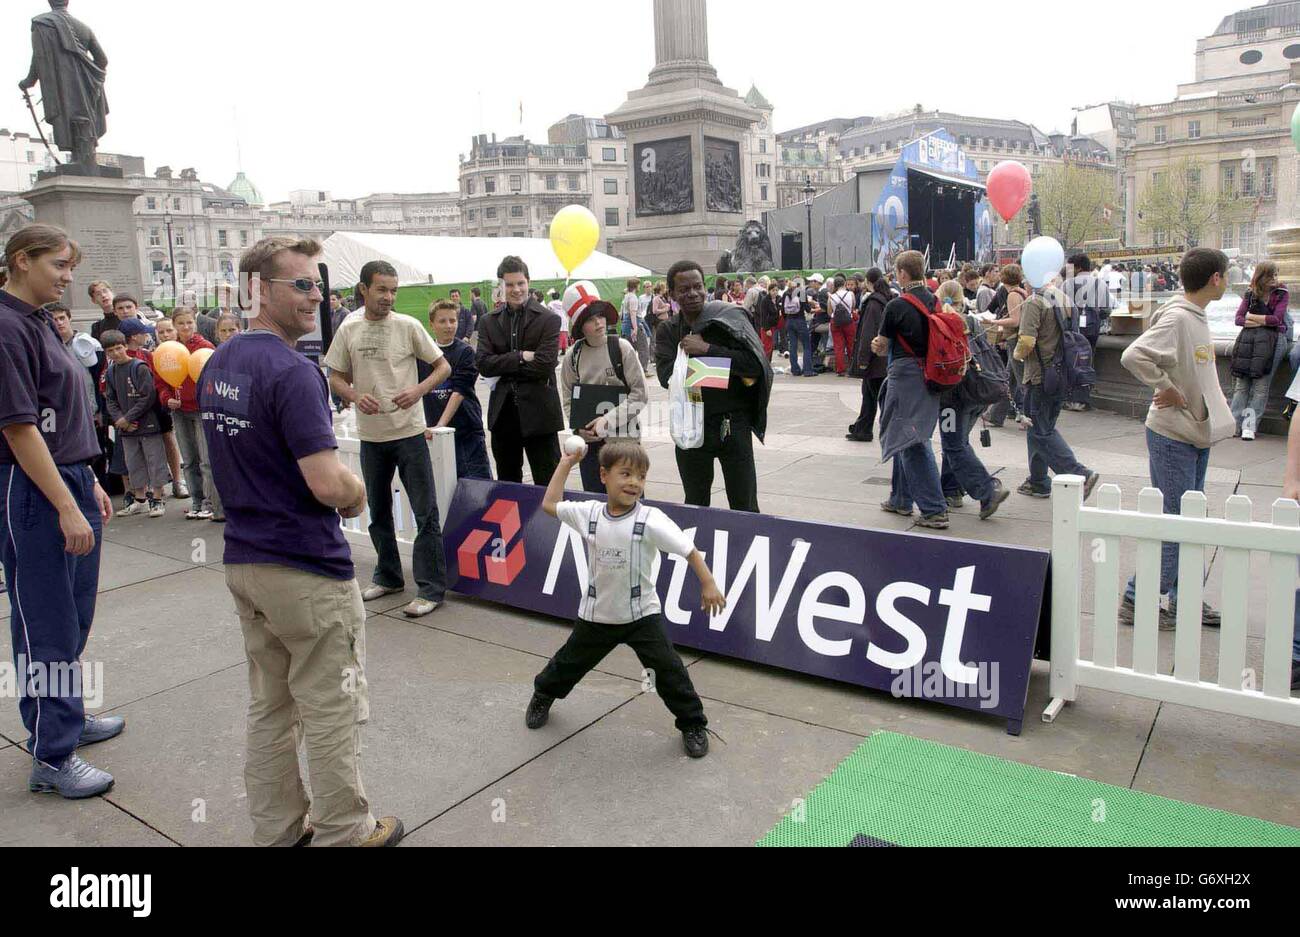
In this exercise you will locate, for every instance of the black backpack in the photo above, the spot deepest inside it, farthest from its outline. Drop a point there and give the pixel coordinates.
(986, 381)
(1072, 367)
(841, 313)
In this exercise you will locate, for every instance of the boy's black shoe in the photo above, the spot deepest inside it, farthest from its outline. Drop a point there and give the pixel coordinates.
(696, 740)
(539, 710)
(1295, 675)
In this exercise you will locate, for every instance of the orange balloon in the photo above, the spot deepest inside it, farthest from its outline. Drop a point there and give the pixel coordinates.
(198, 360)
(171, 362)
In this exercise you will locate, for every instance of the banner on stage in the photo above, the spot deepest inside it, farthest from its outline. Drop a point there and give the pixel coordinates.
(920, 617)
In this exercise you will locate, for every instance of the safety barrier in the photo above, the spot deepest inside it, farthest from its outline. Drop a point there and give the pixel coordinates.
(442, 450)
(1102, 527)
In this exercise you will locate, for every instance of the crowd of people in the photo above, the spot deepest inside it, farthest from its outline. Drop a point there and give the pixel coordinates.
(253, 445)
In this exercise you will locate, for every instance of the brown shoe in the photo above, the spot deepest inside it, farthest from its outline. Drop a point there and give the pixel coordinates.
(388, 832)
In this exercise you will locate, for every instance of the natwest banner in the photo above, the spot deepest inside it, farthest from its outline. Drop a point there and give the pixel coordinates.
(918, 616)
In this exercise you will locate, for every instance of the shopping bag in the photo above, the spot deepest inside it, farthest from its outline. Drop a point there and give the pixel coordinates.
(685, 407)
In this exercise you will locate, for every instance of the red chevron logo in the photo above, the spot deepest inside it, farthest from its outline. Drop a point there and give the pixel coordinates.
(502, 563)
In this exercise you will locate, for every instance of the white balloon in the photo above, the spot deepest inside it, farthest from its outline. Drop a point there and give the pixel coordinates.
(1042, 260)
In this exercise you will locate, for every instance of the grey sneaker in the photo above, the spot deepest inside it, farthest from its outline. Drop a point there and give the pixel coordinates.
(75, 779)
(157, 509)
(100, 729)
(421, 607)
(1128, 612)
(1000, 495)
(1090, 485)
(888, 508)
(934, 522)
(955, 501)
(136, 509)
(373, 592)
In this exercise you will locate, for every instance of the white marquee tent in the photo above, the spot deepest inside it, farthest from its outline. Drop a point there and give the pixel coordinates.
(435, 260)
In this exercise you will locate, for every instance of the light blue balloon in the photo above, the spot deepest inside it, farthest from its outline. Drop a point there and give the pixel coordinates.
(1042, 260)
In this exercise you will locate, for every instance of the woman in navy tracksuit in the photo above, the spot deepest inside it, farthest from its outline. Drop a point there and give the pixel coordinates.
(51, 514)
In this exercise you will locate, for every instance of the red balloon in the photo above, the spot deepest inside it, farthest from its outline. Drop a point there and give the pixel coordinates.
(1009, 188)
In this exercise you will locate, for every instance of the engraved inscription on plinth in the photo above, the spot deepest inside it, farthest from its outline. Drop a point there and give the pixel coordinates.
(107, 255)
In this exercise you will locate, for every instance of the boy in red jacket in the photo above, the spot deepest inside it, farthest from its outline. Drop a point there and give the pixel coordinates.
(183, 404)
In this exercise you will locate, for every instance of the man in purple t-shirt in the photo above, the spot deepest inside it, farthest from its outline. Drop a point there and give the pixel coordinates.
(266, 417)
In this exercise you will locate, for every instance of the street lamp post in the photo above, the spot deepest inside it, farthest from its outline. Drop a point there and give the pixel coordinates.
(809, 190)
(171, 252)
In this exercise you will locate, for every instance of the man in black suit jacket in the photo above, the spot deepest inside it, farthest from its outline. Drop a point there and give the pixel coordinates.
(520, 344)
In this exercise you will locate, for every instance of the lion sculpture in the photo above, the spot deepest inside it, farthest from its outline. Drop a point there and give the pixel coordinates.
(752, 253)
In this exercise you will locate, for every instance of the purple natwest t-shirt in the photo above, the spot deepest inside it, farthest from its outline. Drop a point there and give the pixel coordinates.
(265, 407)
(42, 384)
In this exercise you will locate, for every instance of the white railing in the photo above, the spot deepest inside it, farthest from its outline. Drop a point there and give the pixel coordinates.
(1100, 529)
(442, 450)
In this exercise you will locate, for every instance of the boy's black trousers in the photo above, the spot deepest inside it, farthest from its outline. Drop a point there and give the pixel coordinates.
(591, 643)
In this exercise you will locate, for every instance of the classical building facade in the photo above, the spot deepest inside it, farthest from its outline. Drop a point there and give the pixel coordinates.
(809, 156)
(1232, 125)
(513, 188)
(607, 169)
(22, 156)
(760, 159)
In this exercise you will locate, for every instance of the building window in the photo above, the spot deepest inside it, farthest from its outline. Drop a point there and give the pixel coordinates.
(1247, 182)
(763, 193)
(516, 211)
(1228, 184)
(609, 154)
(469, 186)
(575, 182)
(1161, 133)
(490, 214)
(31, 156)
(1160, 239)
(552, 181)
(762, 145)
(1248, 234)
(1229, 239)
(155, 237)
(516, 183)
(489, 186)
(611, 217)
(151, 203)
(1193, 130)
(222, 240)
(1251, 57)
(228, 269)
(180, 238)
(243, 238)
(611, 187)
(157, 267)
(176, 204)
(1194, 181)
(1267, 170)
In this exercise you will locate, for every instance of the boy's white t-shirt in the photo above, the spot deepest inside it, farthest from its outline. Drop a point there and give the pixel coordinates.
(621, 558)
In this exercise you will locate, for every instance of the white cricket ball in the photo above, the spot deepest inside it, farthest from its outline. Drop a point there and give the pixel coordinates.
(575, 446)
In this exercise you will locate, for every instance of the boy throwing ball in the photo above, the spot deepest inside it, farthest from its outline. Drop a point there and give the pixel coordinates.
(621, 605)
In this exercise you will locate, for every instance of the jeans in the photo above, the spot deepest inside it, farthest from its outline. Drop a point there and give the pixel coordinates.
(1176, 468)
(800, 338)
(1250, 396)
(410, 458)
(916, 480)
(962, 468)
(1047, 447)
(194, 451)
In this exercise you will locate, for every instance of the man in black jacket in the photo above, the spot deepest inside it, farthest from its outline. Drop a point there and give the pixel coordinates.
(520, 344)
(731, 416)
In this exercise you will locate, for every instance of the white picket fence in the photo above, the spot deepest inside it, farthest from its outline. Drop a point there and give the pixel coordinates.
(1081, 535)
(442, 450)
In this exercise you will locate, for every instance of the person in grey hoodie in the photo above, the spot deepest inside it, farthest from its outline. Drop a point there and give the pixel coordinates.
(1175, 357)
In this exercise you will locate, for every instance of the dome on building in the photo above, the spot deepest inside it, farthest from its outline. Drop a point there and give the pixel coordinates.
(755, 99)
(244, 188)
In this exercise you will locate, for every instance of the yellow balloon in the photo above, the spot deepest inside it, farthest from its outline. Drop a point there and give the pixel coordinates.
(574, 236)
(198, 360)
(171, 362)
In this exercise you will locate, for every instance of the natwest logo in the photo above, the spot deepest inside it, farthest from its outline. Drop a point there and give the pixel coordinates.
(501, 563)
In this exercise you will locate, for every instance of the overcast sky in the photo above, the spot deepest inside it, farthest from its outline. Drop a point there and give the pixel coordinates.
(382, 95)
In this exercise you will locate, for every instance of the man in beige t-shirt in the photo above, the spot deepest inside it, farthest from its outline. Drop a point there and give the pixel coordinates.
(372, 364)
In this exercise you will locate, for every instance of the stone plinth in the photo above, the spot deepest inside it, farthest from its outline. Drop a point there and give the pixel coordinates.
(97, 214)
(685, 134)
(1284, 250)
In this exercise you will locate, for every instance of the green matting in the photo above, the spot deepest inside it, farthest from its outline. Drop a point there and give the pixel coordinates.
(901, 791)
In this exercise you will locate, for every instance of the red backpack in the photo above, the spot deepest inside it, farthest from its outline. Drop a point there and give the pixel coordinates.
(949, 352)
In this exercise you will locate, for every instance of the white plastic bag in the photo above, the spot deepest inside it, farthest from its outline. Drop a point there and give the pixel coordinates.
(685, 408)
